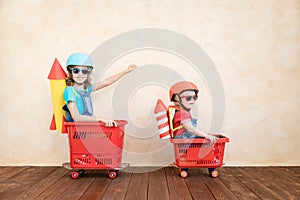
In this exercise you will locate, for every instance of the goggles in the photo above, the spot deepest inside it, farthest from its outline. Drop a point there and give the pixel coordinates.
(189, 98)
(77, 70)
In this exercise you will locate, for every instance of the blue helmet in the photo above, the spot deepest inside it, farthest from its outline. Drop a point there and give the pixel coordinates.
(79, 59)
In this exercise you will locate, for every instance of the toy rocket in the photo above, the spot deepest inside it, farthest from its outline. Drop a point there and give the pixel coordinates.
(57, 78)
(162, 120)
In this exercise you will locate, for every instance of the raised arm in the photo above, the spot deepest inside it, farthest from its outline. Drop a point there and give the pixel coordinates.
(110, 80)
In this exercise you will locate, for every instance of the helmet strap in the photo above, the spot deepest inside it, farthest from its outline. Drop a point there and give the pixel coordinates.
(79, 83)
(180, 102)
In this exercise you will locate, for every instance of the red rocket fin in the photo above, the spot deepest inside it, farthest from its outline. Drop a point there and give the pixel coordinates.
(57, 72)
(53, 125)
(64, 127)
(160, 106)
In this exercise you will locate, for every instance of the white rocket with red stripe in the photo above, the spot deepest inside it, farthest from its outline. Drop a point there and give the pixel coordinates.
(162, 120)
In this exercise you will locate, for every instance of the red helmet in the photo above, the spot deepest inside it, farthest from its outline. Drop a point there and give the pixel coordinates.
(179, 87)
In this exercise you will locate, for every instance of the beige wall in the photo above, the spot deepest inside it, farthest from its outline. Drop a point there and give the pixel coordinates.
(255, 46)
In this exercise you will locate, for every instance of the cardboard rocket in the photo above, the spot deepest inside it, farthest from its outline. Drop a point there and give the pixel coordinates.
(161, 112)
(57, 78)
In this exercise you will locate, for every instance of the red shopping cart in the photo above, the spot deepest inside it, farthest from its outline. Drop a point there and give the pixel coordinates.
(95, 146)
(199, 153)
(196, 152)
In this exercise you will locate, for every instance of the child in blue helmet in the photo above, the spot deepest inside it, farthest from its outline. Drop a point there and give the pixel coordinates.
(77, 94)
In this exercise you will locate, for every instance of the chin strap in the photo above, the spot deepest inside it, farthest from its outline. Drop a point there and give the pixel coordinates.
(79, 83)
(185, 108)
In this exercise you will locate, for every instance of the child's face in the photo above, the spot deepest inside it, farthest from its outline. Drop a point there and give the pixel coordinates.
(188, 99)
(80, 73)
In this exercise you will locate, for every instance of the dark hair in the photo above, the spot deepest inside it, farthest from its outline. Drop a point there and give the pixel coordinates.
(70, 81)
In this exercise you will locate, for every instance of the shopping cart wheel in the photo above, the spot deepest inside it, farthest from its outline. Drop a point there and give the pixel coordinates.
(112, 174)
(214, 173)
(183, 173)
(75, 175)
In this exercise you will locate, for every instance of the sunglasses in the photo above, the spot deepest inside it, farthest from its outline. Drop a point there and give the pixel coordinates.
(189, 98)
(77, 70)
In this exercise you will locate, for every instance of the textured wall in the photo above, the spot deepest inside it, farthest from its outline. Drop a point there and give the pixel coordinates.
(255, 46)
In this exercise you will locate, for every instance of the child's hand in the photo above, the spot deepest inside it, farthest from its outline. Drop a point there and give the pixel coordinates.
(109, 122)
(131, 68)
(212, 138)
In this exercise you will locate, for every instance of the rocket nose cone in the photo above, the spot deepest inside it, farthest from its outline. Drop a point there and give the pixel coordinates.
(57, 72)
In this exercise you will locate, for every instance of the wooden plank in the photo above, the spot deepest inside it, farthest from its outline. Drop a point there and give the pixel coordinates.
(138, 186)
(144, 183)
(196, 186)
(77, 187)
(292, 172)
(158, 188)
(253, 183)
(43, 184)
(8, 172)
(294, 168)
(216, 186)
(283, 186)
(289, 182)
(118, 187)
(62, 184)
(4, 169)
(20, 182)
(240, 190)
(177, 186)
(98, 187)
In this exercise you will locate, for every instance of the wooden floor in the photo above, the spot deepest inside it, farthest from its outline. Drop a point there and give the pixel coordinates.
(149, 183)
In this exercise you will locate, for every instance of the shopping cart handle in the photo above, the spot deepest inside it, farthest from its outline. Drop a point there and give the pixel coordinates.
(96, 123)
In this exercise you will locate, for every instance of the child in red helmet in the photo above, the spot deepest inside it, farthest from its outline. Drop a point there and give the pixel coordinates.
(184, 94)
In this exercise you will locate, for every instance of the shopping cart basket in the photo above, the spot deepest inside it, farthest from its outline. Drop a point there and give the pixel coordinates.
(199, 153)
(95, 146)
